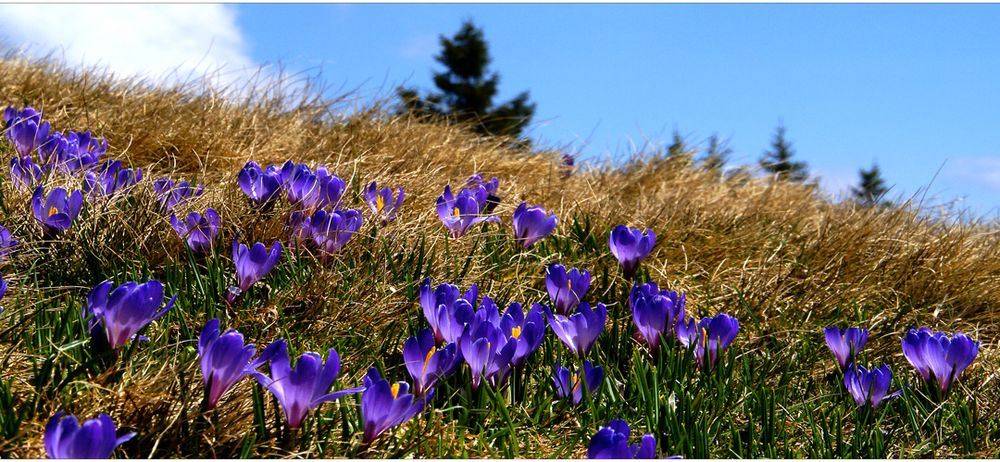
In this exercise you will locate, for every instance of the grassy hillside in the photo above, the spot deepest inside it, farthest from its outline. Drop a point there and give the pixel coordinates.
(778, 257)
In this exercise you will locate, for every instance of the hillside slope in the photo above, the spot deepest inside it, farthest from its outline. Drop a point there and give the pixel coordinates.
(775, 255)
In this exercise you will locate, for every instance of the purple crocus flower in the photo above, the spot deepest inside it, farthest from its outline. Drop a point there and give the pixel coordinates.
(284, 172)
(568, 161)
(171, 195)
(110, 179)
(458, 214)
(713, 335)
(299, 228)
(655, 312)
(936, 357)
(314, 190)
(426, 362)
(476, 180)
(65, 438)
(566, 289)
(25, 172)
(868, 387)
(330, 231)
(531, 224)
(385, 405)
(225, 360)
(7, 243)
(580, 330)
(570, 384)
(446, 311)
(845, 343)
(259, 185)
(3, 290)
(199, 231)
(630, 247)
(485, 192)
(305, 387)
(611, 442)
(56, 211)
(10, 114)
(527, 331)
(73, 152)
(487, 351)
(254, 263)
(124, 311)
(382, 203)
(25, 129)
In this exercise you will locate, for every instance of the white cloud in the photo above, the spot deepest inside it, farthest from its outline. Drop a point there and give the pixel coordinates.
(163, 42)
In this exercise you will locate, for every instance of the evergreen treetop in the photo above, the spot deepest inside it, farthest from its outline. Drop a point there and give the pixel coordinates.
(466, 89)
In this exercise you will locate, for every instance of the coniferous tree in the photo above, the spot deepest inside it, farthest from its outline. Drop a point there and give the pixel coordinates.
(871, 187)
(778, 161)
(678, 152)
(677, 145)
(466, 89)
(717, 153)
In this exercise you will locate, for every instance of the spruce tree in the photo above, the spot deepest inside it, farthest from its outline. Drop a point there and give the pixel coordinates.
(678, 152)
(716, 154)
(677, 145)
(871, 187)
(778, 161)
(466, 89)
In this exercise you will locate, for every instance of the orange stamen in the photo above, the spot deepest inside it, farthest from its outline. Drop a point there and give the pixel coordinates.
(427, 361)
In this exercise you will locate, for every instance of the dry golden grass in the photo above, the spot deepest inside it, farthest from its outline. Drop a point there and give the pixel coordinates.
(781, 247)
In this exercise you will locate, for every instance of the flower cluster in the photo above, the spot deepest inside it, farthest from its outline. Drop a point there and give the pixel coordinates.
(110, 180)
(708, 337)
(463, 330)
(171, 195)
(611, 442)
(68, 154)
(655, 312)
(938, 358)
(197, 230)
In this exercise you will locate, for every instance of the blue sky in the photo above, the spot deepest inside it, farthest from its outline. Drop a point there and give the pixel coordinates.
(914, 87)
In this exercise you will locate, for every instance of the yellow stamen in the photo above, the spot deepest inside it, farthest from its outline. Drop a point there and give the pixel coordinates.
(576, 382)
(569, 284)
(456, 212)
(515, 332)
(53, 211)
(427, 360)
(395, 390)
(379, 203)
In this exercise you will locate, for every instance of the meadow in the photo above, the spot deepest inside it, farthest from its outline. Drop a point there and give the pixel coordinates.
(778, 257)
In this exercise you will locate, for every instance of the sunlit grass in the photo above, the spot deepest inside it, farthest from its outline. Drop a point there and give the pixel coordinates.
(783, 261)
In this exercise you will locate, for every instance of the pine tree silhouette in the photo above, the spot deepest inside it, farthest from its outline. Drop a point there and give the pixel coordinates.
(716, 154)
(679, 153)
(778, 161)
(871, 187)
(467, 88)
